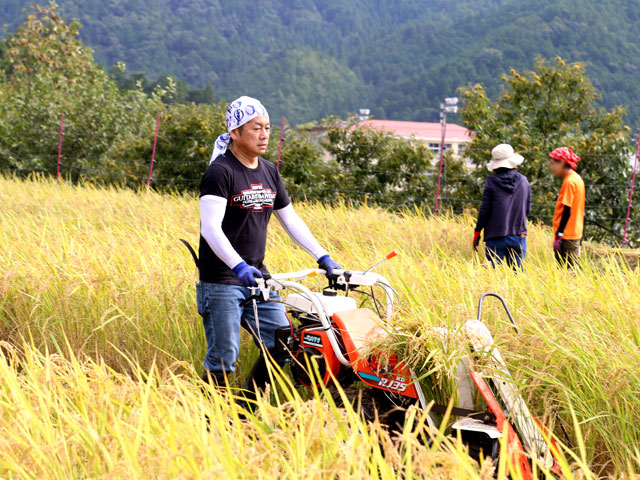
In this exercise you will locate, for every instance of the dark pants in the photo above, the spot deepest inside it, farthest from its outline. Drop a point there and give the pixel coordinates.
(512, 249)
(569, 252)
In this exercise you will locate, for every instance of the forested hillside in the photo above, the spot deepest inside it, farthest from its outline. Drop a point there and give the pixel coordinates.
(312, 58)
(414, 65)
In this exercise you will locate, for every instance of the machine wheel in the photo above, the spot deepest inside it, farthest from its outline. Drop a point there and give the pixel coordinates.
(481, 445)
(302, 358)
(373, 403)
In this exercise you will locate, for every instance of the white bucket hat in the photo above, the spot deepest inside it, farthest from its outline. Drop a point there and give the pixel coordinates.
(503, 156)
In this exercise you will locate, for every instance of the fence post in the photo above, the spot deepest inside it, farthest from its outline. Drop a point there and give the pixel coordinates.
(281, 141)
(60, 147)
(444, 133)
(633, 182)
(153, 152)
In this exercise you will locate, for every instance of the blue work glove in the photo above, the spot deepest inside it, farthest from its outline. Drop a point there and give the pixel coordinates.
(328, 265)
(246, 274)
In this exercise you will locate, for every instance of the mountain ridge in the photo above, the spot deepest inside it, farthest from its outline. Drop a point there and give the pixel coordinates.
(312, 58)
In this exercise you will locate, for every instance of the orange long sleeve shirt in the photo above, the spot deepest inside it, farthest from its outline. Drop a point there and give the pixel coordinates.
(572, 194)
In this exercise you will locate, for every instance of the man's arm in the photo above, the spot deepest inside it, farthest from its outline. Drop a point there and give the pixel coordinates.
(484, 214)
(566, 215)
(212, 209)
(567, 200)
(299, 232)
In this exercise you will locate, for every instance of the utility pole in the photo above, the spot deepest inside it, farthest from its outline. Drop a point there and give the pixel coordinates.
(284, 121)
(450, 105)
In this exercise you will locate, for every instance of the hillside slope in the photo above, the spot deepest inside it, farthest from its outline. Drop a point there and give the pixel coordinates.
(415, 66)
(397, 57)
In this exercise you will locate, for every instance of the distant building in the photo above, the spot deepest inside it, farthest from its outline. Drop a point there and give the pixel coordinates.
(457, 137)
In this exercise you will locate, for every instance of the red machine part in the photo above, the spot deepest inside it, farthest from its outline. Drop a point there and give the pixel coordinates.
(358, 328)
(514, 446)
(555, 468)
(394, 377)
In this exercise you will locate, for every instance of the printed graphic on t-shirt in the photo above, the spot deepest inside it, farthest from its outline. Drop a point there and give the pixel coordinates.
(255, 198)
(252, 195)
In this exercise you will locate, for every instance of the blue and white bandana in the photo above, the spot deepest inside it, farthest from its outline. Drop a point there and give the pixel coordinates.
(241, 111)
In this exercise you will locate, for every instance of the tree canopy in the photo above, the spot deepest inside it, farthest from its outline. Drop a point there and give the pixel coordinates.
(554, 105)
(52, 73)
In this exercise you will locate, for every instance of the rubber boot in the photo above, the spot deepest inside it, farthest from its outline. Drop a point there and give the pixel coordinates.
(217, 381)
(255, 382)
(210, 378)
(258, 377)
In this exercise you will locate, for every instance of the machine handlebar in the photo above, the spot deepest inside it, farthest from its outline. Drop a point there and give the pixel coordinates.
(338, 277)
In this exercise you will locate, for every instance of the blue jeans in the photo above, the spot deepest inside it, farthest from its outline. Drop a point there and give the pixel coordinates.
(512, 248)
(223, 314)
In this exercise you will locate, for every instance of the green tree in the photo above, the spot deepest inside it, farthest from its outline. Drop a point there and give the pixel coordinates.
(379, 167)
(306, 169)
(5, 66)
(52, 74)
(538, 110)
(187, 135)
(180, 92)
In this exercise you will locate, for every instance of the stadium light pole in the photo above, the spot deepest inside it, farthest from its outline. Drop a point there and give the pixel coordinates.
(449, 105)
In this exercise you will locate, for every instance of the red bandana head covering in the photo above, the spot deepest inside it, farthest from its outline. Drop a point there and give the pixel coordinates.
(566, 155)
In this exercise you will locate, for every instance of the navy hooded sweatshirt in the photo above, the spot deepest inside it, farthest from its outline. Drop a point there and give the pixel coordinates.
(506, 204)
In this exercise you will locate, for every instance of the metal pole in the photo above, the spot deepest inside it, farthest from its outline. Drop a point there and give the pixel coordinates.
(633, 182)
(281, 142)
(444, 132)
(60, 147)
(153, 152)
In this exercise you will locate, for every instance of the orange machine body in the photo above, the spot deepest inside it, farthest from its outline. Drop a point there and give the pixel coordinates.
(360, 330)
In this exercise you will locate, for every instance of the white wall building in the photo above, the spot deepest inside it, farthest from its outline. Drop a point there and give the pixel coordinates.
(457, 137)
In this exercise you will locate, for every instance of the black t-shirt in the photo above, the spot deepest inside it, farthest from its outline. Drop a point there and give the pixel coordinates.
(252, 196)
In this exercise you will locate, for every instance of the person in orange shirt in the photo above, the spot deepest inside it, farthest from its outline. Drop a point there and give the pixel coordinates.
(568, 218)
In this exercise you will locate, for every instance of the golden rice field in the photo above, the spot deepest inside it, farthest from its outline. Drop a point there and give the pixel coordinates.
(102, 346)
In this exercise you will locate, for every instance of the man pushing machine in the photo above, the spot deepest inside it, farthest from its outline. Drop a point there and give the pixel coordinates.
(238, 193)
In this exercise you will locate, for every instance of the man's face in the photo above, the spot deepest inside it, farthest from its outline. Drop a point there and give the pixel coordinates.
(557, 168)
(254, 138)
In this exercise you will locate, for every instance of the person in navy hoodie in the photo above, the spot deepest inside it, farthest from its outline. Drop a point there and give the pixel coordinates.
(506, 204)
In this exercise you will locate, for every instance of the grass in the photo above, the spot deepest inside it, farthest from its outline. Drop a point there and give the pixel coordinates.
(103, 343)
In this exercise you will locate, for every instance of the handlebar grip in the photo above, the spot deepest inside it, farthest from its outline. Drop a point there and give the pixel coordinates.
(263, 281)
